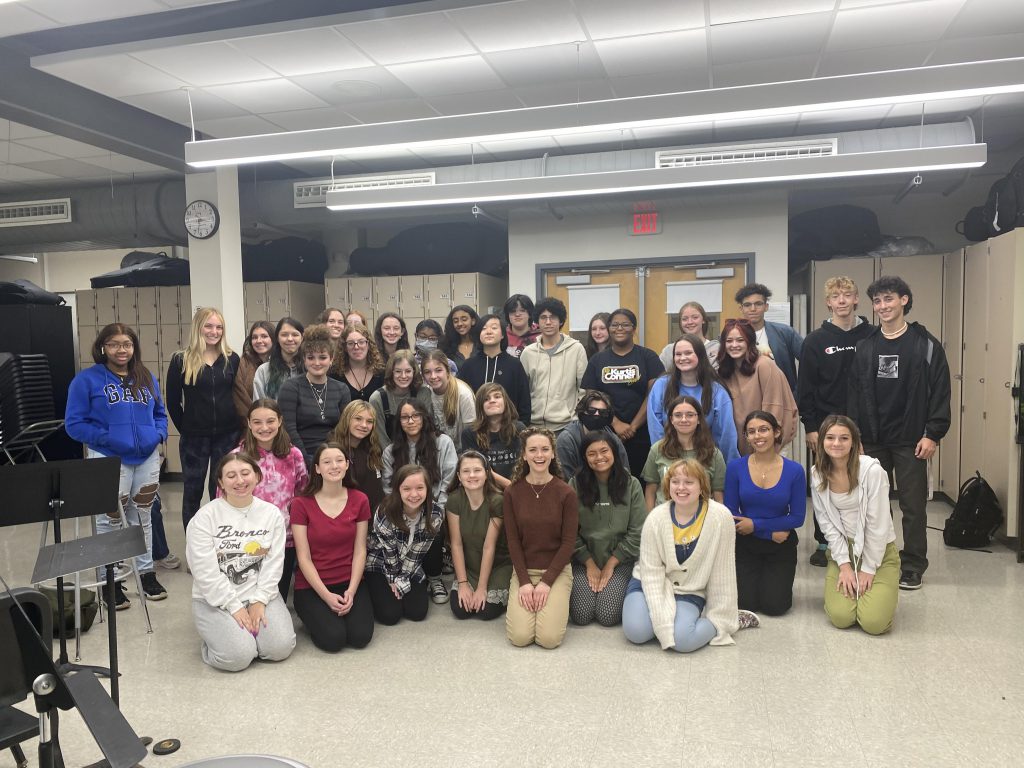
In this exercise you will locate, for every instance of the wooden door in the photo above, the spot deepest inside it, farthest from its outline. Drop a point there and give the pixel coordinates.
(668, 288)
(975, 330)
(952, 342)
(604, 291)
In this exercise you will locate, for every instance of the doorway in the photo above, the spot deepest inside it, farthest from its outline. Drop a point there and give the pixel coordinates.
(655, 291)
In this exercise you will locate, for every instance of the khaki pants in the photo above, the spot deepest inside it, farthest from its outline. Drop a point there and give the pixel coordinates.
(875, 610)
(547, 626)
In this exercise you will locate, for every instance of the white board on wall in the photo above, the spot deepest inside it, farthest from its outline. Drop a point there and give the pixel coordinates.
(585, 301)
(707, 292)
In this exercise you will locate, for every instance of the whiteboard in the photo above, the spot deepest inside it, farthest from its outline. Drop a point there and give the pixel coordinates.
(585, 301)
(707, 292)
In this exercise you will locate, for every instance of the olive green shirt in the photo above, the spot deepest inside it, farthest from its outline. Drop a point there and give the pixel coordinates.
(473, 525)
(658, 463)
(608, 528)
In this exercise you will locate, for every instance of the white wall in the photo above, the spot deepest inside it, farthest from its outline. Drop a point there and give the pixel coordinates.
(695, 225)
(68, 271)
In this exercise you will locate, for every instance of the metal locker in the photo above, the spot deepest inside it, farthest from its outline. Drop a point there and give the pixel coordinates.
(411, 296)
(255, 301)
(167, 305)
(360, 294)
(439, 295)
(170, 341)
(387, 294)
(149, 345)
(279, 300)
(146, 299)
(185, 305)
(106, 306)
(127, 307)
(466, 289)
(85, 307)
(336, 293)
(86, 337)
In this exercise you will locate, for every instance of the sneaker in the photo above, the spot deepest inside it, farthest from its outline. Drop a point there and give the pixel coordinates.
(749, 620)
(910, 580)
(121, 601)
(818, 558)
(153, 589)
(438, 593)
(171, 562)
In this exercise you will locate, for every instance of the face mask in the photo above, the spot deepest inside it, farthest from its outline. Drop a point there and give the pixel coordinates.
(597, 422)
(427, 345)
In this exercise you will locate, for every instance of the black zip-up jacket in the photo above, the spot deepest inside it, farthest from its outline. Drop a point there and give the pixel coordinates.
(206, 407)
(502, 369)
(823, 381)
(928, 390)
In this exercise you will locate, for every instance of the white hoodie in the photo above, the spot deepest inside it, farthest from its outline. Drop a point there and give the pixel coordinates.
(555, 381)
(236, 556)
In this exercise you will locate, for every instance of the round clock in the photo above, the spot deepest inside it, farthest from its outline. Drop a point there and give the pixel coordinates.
(202, 219)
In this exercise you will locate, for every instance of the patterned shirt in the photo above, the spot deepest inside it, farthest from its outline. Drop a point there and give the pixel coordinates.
(397, 554)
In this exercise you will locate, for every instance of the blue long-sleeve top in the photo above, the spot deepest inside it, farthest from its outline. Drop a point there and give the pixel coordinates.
(779, 508)
(720, 420)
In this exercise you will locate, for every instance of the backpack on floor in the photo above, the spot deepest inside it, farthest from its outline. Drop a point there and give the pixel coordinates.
(976, 516)
(90, 607)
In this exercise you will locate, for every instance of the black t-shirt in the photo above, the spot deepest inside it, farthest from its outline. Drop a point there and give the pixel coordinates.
(891, 374)
(625, 378)
(502, 456)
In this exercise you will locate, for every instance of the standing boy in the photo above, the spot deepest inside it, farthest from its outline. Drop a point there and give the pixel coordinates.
(555, 365)
(780, 341)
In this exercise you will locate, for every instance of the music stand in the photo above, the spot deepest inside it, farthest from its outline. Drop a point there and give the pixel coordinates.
(58, 490)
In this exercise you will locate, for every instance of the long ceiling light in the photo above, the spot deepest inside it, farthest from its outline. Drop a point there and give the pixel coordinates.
(926, 84)
(654, 179)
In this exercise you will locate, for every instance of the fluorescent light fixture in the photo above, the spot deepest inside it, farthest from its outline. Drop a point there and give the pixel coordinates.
(926, 84)
(655, 179)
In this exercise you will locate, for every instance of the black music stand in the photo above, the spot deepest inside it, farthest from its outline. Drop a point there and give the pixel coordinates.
(59, 490)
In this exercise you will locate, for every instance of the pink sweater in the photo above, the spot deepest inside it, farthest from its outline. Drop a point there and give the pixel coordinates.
(282, 479)
(764, 390)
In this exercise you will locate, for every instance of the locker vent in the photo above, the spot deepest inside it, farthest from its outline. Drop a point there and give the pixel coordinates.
(313, 194)
(745, 153)
(29, 212)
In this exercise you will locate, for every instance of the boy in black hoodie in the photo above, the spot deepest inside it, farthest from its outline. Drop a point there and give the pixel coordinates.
(899, 398)
(825, 360)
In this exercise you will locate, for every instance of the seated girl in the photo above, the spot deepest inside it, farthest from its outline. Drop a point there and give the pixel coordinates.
(495, 433)
(687, 436)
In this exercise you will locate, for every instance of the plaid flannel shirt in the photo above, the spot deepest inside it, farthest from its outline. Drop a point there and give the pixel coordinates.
(390, 553)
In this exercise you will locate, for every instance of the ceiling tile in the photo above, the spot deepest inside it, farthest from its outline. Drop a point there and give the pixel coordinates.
(978, 48)
(13, 152)
(70, 169)
(278, 95)
(20, 173)
(874, 59)
(614, 18)
(310, 119)
(303, 52)
(63, 147)
(764, 71)
(206, 64)
(691, 79)
(766, 39)
(550, 62)
(649, 54)
(173, 105)
(95, 10)
(989, 17)
(481, 101)
(125, 165)
(354, 86)
(116, 76)
(402, 39)
(445, 76)
(564, 92)
(521, 24)
(899, 24)
(15, 19)
(230, 127)
(733, 11)
(389, 111)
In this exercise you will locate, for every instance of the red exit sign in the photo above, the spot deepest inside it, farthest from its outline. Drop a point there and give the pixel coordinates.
(646, 223)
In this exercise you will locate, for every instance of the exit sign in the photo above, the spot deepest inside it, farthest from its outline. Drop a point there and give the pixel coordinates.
(646, 223)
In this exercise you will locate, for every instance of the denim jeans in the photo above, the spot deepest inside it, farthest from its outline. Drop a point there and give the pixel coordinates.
(136, 504)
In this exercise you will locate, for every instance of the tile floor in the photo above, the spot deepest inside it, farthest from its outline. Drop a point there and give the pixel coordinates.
(946, 687)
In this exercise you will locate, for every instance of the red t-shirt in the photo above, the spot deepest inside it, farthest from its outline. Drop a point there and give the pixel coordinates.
(331, 542)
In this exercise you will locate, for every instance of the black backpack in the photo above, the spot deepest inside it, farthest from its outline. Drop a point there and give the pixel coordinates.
(976, 516)
(973, 225)
(1000, 209)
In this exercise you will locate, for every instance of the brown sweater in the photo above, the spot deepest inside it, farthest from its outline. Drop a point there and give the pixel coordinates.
(242, 390)
(541, 532)
(765, 390)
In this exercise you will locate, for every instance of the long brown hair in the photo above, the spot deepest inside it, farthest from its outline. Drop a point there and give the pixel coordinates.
(450, 407)
(342, 435)
(589, 344)
(139, 377)
(374, 362)
(706, 376)
(522, 468)
(481, 425)
(282, 444)
(823, 462)
(394, 509)
(248, 352)
(407, 356)
(726, 365)
(586, 479)
(703, 441)
(427, 453)
(490, 487)
(315, 481)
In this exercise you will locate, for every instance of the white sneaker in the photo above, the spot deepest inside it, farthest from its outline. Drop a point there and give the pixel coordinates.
(438, 593)
(171, 562)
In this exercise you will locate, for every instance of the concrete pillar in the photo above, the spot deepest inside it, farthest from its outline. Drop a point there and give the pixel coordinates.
(215, 264)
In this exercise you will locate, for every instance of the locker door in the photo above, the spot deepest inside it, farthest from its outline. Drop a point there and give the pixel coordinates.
(439, 296)
(387, 294)
(411, 296)
(360, 294)
(167, 299)
(952, 342)
(149, 345)
(279, 301)
(106, 306)
(85, 307)
(185, 309)
(127, 306)
(86, 337)
(466, 290)
(170, 341)
(254, 297)
(146, 302)
(336, 293)
(972, 422)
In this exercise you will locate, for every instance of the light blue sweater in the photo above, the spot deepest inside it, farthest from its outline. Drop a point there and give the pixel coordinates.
(720, 420)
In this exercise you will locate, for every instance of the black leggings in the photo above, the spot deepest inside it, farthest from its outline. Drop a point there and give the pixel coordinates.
(433, 561)
(199, 456)
(489, 612)
(765, 572)
(388, 609)
(329, 631)
(290, 559)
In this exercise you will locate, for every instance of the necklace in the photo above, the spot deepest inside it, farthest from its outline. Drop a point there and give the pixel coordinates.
(320, 397)
(360, 385)
(764, 472)
(535, 491)
(893, 334)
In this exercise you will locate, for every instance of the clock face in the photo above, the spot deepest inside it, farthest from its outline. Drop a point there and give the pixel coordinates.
(201, 219)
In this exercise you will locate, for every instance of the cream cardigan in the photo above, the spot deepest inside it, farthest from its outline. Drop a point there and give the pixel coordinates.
(709, 572)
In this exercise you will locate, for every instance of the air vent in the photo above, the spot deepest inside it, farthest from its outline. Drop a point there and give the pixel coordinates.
(29, 212)
(313, 194)
(745, 153)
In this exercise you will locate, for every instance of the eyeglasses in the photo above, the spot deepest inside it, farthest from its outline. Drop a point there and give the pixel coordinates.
(621, 326)
(595, 411)
(356, 344)
(411, 418)
(684, 416)
(765, 430)
(117, 345)
(420, 339)
(752, 304)
(547, 319)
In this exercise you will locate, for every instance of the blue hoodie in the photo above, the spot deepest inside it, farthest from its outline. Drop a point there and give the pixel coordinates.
(720, 420)
(103, 414)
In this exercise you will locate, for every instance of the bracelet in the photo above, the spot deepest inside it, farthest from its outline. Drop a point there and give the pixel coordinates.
(463, 582)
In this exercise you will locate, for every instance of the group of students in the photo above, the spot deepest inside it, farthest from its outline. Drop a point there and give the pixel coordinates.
(361, 463)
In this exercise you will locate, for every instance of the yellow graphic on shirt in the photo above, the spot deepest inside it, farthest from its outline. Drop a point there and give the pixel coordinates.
(620, 374)
(254, 548)
(686, 534)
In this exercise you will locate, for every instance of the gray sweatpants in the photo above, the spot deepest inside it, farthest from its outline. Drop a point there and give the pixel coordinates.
(229, 647)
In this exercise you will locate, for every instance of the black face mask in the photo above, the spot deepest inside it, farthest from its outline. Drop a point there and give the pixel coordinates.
(597, 421)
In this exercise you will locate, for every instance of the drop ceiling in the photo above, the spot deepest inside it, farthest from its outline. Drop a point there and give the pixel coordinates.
(314, 68)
